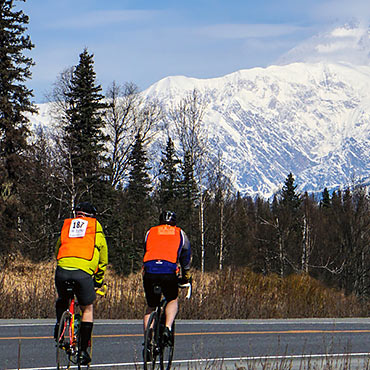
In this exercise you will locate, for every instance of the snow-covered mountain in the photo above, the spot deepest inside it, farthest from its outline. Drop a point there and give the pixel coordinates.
(309, 119)
(309, 115)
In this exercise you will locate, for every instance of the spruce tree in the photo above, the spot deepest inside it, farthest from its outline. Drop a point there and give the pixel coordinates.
(83, 136)
(139, 181)
(138, 204)
(14, 104)
(325, 201)
(289, 196)
(169, 177)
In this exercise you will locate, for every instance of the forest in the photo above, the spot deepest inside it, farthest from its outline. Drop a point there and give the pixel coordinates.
(132, 158)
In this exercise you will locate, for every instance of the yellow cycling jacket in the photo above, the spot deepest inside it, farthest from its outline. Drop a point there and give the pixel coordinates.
(94, 266)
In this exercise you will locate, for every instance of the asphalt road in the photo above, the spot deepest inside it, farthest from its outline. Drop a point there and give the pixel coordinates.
(226, 344)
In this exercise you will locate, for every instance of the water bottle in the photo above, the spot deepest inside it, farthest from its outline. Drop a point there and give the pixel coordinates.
(77, 323)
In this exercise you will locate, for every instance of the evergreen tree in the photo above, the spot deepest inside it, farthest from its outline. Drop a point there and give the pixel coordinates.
(187, 204)
(325, 201)
(139, 181)
(138, 203)
(289, 196)
(14, 103)
(288, 226)
(169, 178)
(83, 136)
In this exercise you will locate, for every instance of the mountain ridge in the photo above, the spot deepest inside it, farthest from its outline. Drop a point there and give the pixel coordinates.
(311, 119)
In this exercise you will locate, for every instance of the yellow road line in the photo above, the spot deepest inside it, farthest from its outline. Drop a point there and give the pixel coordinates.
(214, 333)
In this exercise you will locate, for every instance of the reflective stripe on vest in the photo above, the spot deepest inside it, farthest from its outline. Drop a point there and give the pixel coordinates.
(163, 243)
(78, 238)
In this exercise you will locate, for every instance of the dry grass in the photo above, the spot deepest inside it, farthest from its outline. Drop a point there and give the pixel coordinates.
(27, 291)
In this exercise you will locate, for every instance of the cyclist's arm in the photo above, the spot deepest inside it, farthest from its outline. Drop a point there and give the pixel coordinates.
(101, 244)
(185, 255)
(59, 243)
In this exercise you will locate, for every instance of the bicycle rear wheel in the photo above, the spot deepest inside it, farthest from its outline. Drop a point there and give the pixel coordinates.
(166, 352)
(151, 346)
(63, 342)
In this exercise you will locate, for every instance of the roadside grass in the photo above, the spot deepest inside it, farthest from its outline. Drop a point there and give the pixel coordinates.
(27, 291)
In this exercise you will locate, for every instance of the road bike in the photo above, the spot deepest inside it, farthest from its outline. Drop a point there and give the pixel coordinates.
(68, 339)
(154, 346)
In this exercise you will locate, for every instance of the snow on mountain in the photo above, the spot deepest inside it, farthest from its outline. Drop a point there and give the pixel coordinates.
(311, 117)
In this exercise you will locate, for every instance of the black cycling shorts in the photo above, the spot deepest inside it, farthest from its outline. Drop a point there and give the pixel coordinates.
(83, 285)
(168, 284)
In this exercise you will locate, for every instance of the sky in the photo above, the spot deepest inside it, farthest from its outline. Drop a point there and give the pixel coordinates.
(143, 41)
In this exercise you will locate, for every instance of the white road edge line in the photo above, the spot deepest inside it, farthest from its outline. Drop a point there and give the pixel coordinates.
(208, 360)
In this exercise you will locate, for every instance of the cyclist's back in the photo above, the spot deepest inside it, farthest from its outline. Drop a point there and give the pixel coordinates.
(166, 246)
(82, 254)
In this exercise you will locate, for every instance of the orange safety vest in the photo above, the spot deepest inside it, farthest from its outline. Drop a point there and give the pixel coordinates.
(163, 243)
(78, 238)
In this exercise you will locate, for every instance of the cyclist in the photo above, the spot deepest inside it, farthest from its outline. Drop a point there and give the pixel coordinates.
(166, 246)
(82, 257)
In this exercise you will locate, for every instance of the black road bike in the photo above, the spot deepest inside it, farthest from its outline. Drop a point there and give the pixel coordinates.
(158, 353)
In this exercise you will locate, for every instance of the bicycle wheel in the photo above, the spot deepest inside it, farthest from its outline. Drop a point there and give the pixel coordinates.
(151, 347)
(166, 352)
(63, 342)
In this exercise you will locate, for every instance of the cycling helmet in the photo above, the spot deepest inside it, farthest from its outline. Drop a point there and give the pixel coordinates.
(86, 209)
(167, 217)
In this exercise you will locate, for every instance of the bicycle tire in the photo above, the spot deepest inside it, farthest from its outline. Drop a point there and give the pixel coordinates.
(151, 344)
(166, 352)
(166, 349)
(63, 342)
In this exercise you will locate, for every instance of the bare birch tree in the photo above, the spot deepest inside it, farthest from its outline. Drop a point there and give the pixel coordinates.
(128, 115)
(190, 130)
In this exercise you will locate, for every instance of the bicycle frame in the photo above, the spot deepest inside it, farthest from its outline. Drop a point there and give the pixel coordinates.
(71, 345)
(153, 341)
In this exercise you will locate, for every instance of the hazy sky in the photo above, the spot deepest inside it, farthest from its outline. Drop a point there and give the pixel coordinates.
(144, 41)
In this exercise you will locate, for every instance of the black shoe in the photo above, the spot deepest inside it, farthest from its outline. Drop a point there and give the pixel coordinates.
(167, 337)
(56, 329)
(148, 355)
(85, 358)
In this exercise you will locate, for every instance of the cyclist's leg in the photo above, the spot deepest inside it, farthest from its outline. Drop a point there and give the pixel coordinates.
(171, 312)
(171, 291)
(147, 314)
(149, 281)
(84, 290)
(86, 326)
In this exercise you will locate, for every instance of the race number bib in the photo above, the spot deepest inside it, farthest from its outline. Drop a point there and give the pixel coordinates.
(78, 228)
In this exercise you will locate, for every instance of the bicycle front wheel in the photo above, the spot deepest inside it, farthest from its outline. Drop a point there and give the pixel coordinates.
(151, 345)
(64, 349)
(166, 352)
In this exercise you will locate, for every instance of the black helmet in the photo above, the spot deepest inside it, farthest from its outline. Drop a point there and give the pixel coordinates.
(167, 217)
(85, 208)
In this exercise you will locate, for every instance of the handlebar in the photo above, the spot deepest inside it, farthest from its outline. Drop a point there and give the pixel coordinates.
(189, 286)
